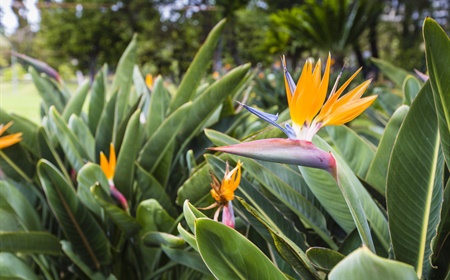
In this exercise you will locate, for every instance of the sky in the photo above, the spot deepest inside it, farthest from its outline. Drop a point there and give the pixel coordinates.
(9, 19)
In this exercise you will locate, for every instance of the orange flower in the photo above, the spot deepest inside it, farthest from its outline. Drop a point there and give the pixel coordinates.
(8, 140)
(223, 194)
(108, 167)
(149, 81)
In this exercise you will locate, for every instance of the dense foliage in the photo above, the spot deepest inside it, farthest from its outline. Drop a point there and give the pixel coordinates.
(383, 215)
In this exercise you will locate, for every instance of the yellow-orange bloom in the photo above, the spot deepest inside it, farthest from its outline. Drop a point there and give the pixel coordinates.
(149, 81)
(108, 166)
(306, 100)
(223, 192)
(8, 140)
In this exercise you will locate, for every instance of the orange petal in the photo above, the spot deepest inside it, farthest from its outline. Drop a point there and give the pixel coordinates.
(10, 140)
(104, 164)
(349, 111)
(112, 158)
(3, 128)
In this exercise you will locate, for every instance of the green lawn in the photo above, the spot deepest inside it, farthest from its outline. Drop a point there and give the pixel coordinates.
(21, 98)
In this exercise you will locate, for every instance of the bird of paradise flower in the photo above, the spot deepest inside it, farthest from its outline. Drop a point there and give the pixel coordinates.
(11, 139)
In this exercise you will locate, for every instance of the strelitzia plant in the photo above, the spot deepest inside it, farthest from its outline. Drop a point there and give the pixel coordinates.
(308, 113)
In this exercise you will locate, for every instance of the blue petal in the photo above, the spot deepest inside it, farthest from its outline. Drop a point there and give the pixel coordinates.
(270, 118)
(288, 76)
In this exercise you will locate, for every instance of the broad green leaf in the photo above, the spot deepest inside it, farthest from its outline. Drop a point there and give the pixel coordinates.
(123, 80)
(89, 175)
(389, 99)
(105, 128)
(163, 172)
(124, 175)
(97, 100)
(363, 264)
(207, 102)
(24, 211)
(229, 255)
(152, 217)
(411, 87)
(441, 244)
(121, 219)
(159, 101)
(11, 267)
(48, 152)
(186, 258)
(191, 214)
(78, 225)
(17, 164)
(72, 147)
(68, 249)
(196, 186)
(197, 69)
(324, 259)
(354, 207)
(151, 188)
(287, 248)
(356, 151)
(50, 94)
(83, 134)
(156, 239)
(188, 237)
(377, 174)
(437, 49)
(30, 242)
(155, 148)
(414, 184)
(75, 104)
(395, 74)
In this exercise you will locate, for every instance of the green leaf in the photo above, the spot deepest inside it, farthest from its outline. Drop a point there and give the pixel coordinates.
(414, 184)
(75, 104)
(345, 204)
(189, 259)
(30, 242)
(104, 133)
(159, 101)
(155, 148)
(377, 174)
(196, 70)
(196, 186)
(25, 213)
(97, 100)
(11, 267)
(437, 49)
(124, 175)
(156, 239)
(355, 150)
(75, 258)
(324, 259)
(89, 175)
(151, 188)
(395, 74)
(51, 96)
(191, 214)
(229, 255)
(73, 149)
(123, 80)
(152, 217)
(17, 164)
(188, 237)
(83, 134)
(287, 248)
(79, 226)
(363, 264)
(121, 219)
(411, 87)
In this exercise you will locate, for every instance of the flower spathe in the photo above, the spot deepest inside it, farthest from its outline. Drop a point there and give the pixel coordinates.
(11, 139)
(223, 194)
(109, 168)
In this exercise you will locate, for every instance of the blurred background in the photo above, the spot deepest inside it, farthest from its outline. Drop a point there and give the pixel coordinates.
(78, 37)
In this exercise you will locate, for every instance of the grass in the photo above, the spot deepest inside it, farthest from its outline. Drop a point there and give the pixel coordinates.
(22, 98)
